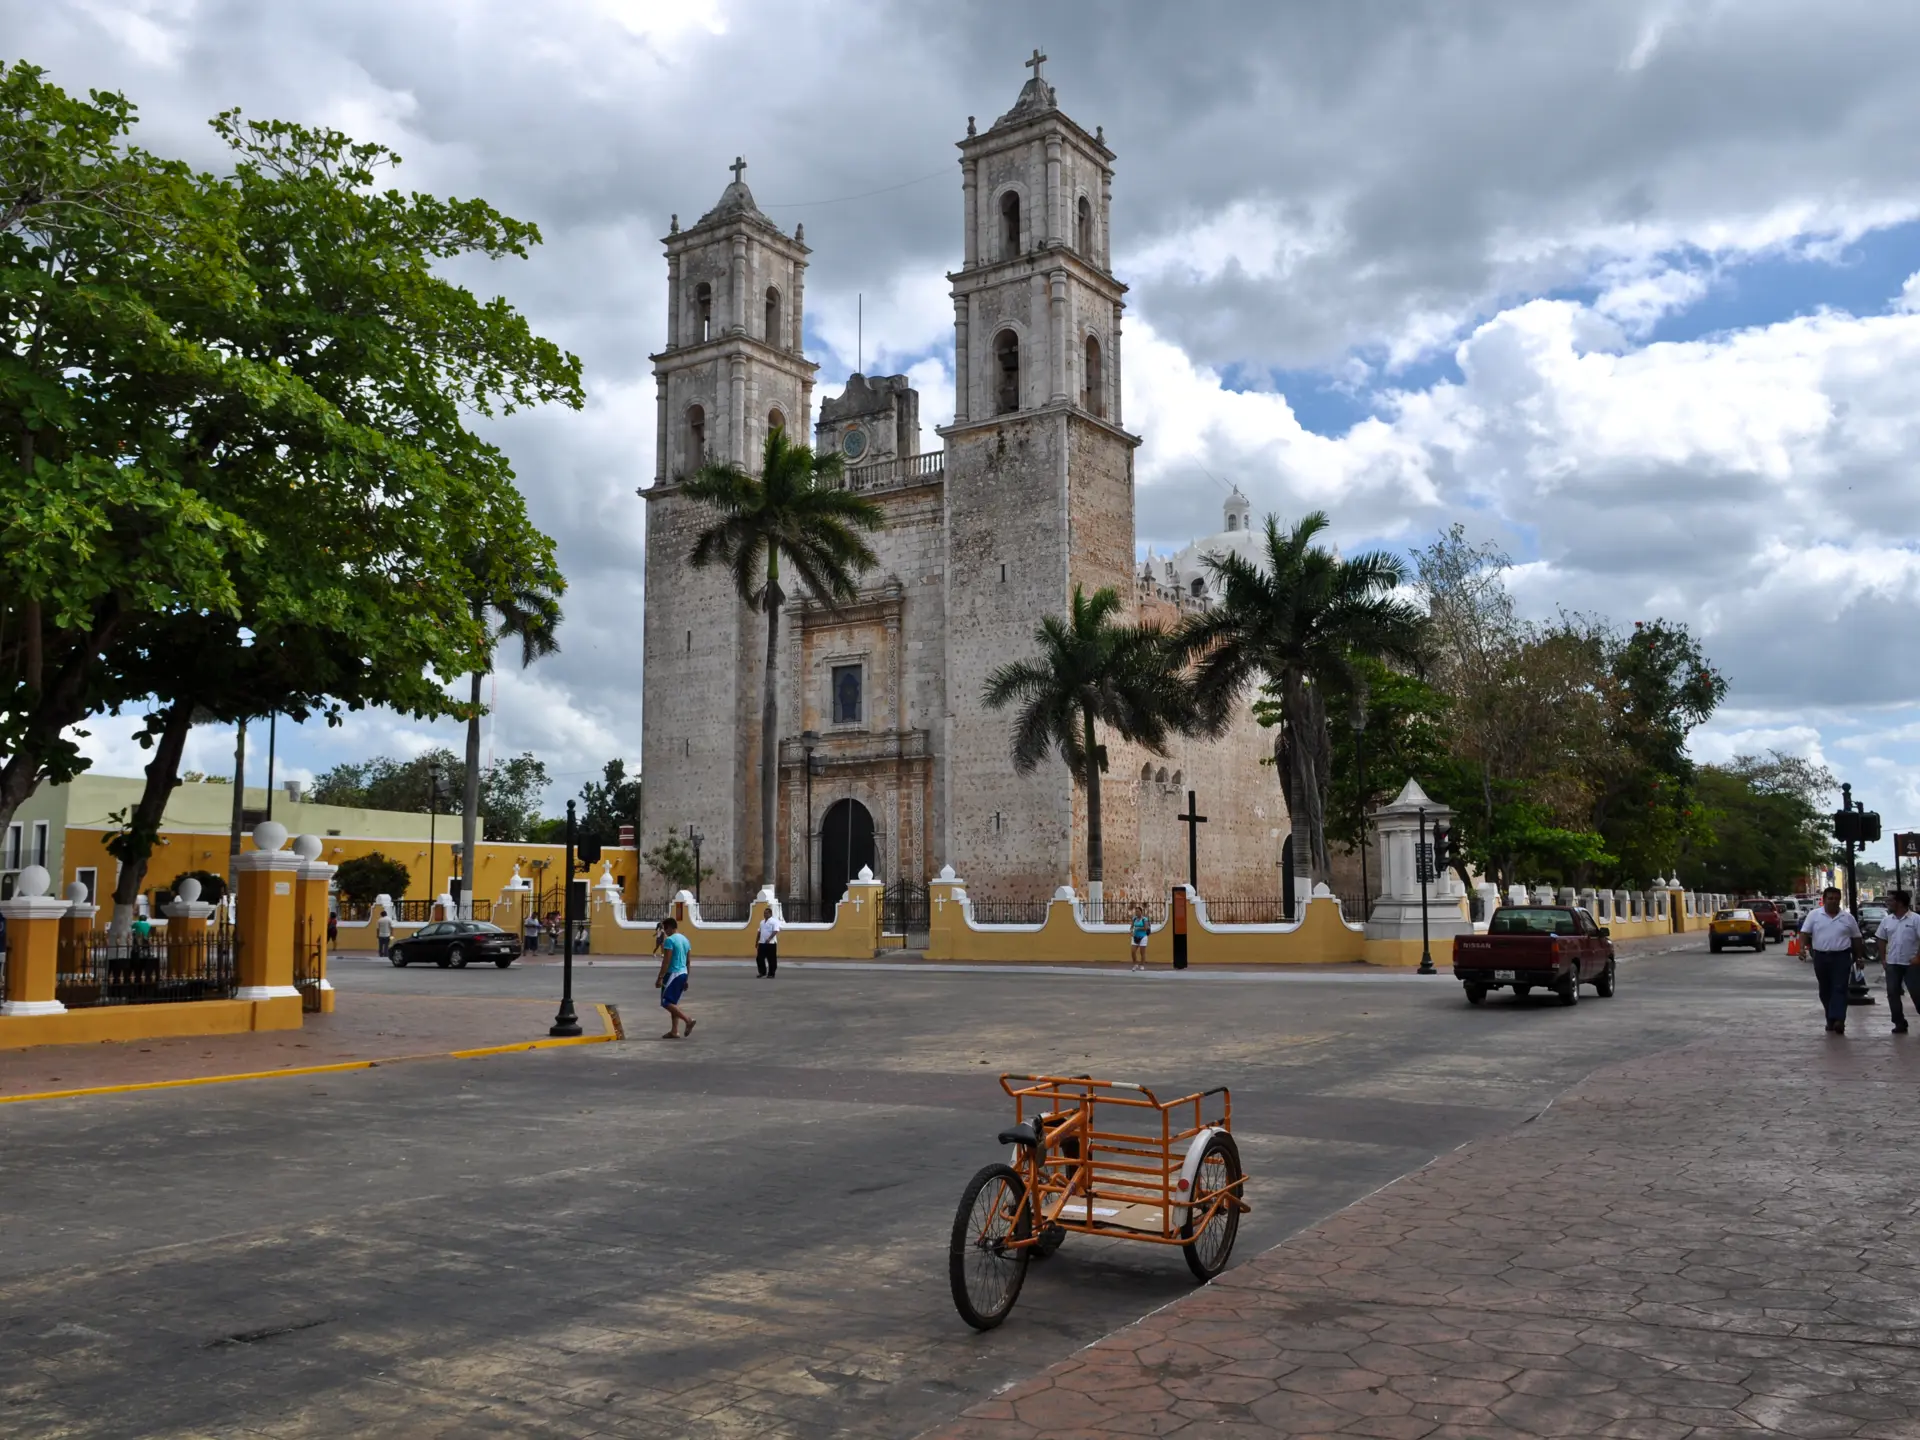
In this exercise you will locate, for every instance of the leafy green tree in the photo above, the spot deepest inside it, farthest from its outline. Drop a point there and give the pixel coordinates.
(672, 860)
(608, 803)
(334, 420)
(1299, 618)
(1091, 673)
(365, 878)
(1767, 821)
(106, 253)
(793, 512)
(510, 794)
(213, 888)
(523, 607)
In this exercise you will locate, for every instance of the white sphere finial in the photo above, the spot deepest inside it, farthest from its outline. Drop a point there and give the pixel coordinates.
(308, 847)
(269, 835)
(77, 893)
(34, 882)
(189, 890)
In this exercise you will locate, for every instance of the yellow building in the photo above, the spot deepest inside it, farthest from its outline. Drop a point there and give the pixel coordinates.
(66, 828)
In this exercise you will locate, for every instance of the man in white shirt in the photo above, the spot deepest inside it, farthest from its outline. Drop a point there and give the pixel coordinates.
(766, 952)
(1834, 937)
(1899, 940)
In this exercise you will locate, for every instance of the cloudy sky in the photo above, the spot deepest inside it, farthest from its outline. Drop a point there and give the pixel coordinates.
(1631, 287)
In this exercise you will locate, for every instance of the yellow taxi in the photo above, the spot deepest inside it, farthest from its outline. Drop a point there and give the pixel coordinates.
(1735, 927)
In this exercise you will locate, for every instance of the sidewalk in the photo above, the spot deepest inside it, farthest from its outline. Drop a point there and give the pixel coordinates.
(1713, 1242)
(367, 1028)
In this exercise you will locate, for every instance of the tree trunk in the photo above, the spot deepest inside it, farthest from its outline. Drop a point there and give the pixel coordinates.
(1306, 795)
(1096, 837)
(143, 826)
(470, 806)
(770, 734)
(62, 703)
(239, 822)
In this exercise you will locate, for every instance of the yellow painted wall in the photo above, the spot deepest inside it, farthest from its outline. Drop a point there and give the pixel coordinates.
(854, 934)
(494, 860)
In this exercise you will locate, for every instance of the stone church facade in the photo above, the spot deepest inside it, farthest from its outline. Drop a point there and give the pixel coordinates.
(887, 756)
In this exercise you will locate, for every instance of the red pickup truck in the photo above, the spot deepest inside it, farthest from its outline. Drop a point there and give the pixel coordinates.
(1549, 947)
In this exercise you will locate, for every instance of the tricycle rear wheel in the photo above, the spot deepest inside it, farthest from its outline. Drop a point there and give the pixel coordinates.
(984, 1272)
(1210, 1247)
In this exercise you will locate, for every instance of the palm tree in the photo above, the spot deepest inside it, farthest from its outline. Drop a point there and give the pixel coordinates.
(1298, 621)
(1091, 672)
(795, 510)
(523, 607)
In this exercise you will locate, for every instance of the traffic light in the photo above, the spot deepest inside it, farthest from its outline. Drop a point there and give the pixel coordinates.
(1442, 849)
(1869, 826)
(1846, 825)
(586, 852)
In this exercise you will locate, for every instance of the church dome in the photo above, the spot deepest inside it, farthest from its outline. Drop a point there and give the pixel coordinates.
(1187, 571)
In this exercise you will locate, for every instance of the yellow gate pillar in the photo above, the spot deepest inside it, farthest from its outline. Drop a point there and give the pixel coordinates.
(76, 926)
(187, 916)
(33, 944)
(266, 915)
(946, 922)
(311, 885)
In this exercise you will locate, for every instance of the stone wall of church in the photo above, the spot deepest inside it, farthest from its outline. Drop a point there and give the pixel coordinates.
(887, 759)
(692, 685)
(1009, 835)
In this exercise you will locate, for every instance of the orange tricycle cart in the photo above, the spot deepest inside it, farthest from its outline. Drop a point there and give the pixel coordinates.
(1096, 1157)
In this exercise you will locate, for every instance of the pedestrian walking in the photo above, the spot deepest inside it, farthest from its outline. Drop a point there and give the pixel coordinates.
(674, 977)
(383, 929)
(555, 939)
(531, 933)
(1139, 937)
(1833, 935)
(766, 949)
(333, 929)
(1899, 940)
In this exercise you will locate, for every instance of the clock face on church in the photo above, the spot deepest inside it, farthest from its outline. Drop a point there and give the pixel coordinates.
(854, 443)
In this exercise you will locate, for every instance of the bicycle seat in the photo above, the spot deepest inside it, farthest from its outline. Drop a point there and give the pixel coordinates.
(1021, 1134)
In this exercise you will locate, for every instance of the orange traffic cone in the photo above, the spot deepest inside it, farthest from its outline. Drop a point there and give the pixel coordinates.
(1793, 945)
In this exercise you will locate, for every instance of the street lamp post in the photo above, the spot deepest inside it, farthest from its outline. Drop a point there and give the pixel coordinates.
(433, 820)
(694, 835)
(809, 742)
(565, 1021)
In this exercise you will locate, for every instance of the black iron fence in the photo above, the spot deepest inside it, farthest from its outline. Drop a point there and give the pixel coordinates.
(1119, 909)
(98, 969)
(725, 912)
(413, 912)
(806, 912)
(1009, 912)
(1246, 909)
(904, 910)
(308, 970)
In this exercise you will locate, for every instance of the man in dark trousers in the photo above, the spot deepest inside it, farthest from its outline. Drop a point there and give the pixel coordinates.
(1834, 937)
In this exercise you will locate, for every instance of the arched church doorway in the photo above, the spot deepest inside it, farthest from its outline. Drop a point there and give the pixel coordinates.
(846, 844)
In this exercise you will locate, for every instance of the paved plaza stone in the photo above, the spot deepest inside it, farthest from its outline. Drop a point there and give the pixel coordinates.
(1713, 1241)
(745, 1233)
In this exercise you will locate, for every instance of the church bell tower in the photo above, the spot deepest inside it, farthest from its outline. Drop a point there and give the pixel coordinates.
(1039, 468)
(732, 371)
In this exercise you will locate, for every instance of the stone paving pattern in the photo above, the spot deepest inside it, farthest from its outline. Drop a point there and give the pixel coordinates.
(364, 1027)
(1716, 1241)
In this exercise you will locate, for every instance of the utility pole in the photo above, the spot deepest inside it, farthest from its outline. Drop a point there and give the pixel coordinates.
(1423, 866)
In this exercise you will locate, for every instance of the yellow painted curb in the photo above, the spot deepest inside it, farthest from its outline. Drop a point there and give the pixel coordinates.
(613, 1033)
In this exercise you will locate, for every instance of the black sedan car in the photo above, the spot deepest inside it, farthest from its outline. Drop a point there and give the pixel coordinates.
(455, 942)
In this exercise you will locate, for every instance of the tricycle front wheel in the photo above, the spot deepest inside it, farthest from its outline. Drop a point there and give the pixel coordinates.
(1209, 1247)
(984, 1270)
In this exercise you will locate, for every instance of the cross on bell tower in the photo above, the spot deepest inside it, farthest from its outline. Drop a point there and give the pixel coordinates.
(738, 166)
(1035, 61)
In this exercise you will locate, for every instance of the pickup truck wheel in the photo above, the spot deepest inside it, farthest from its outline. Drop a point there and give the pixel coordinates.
(1603, 987)
(1570, 991)
(1476, 994)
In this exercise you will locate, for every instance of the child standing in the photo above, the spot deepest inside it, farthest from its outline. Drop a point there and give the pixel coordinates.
(1140, 928)
(673, 977)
